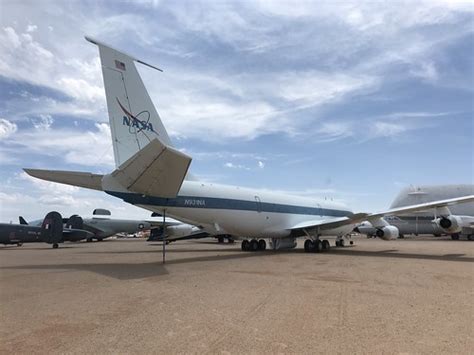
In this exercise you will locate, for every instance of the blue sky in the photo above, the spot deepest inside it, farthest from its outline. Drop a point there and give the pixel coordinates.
(349, 101)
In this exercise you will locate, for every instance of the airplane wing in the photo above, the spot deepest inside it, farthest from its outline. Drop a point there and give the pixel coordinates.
(326, 224)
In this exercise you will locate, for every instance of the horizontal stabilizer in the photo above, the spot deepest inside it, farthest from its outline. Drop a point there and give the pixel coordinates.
(156, 170)
(74, 178)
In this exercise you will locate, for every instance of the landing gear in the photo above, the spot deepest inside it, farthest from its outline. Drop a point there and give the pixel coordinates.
(340, 243)
(254, 245)
(470, 237)
(220, 239)
(325, 245)
(99, 239)
(316, 246)
(55, 246)
(19, 244)
(89, 240)
(455, 236)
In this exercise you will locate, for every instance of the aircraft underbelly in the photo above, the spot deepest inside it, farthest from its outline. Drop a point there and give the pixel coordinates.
(247, 224)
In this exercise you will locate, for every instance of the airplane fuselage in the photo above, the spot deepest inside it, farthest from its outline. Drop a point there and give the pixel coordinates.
(260, 213)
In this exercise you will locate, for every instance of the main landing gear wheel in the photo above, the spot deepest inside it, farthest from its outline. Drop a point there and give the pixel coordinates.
(455, 236)
(245, 245)
(253, 245)
(220, 239)
(308, 246)
(318, 246)
(470, 237)
(262, 244)
(55, 246)
(325, 245)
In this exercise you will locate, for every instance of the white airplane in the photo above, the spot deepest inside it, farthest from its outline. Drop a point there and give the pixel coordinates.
(150, 173)
(460, 223)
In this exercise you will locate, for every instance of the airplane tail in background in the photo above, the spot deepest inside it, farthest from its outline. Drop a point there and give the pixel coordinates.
(52, 228)
(134, 121)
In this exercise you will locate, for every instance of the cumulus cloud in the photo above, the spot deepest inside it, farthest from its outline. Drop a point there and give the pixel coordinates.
(88, 148)
(43, 122)
(27, 59)
(7, 128)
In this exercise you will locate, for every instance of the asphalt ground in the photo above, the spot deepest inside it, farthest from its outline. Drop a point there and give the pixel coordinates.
(402, 296)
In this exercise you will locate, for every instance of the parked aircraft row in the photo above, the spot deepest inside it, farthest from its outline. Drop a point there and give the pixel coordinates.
(151, 174)
(74, 228)
(460, 223)
(51, 230)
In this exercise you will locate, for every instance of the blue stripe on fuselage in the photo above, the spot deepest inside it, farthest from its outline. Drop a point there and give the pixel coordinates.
(225, 203)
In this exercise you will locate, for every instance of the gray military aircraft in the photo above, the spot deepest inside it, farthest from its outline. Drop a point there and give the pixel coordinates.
(51, 231)
(101, 225)
(460, 221)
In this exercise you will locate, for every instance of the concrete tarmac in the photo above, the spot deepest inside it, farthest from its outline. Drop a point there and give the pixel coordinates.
(402, 296)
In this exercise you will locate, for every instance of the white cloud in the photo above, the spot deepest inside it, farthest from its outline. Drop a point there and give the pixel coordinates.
(7, 128)
(24, 58)
(236, 166)
(317, 88)
(388, 129)
(331, 131)
(44, 122)
(426, 71)
(88, 148)
(261, 164)
(31, 28)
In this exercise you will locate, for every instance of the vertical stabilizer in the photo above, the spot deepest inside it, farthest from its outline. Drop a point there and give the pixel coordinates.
(134, 121)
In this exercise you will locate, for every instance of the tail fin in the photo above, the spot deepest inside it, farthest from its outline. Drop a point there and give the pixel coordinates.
(52, 228)
(134, 121)
(75, 222)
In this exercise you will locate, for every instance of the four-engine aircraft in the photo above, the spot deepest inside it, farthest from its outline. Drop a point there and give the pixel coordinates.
(459, 223)
(150, 173)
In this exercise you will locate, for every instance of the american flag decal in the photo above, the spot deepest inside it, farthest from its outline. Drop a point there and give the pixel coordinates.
(119, 65)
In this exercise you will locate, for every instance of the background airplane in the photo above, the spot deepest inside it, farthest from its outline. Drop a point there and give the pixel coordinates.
(151, 174)
(101, 225)
(51, 230)
(461, 223)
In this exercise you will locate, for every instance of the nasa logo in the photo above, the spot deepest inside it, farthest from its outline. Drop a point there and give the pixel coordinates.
(134, 123)
(138, 124)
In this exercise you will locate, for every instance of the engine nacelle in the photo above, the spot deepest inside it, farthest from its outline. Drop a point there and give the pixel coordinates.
(450, 224)
(283, 243)
(387, 232)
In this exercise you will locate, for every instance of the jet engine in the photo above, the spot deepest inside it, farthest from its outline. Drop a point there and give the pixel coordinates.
(387, 232)
(450, 224)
